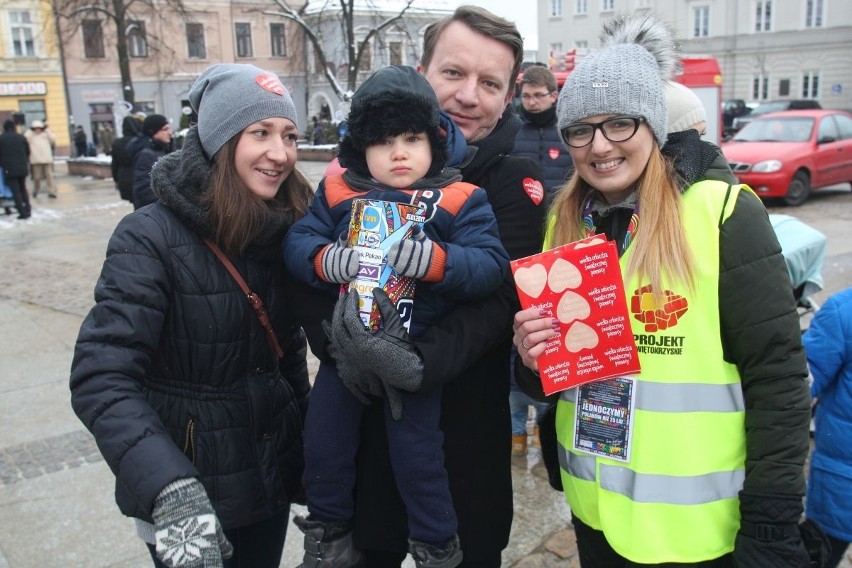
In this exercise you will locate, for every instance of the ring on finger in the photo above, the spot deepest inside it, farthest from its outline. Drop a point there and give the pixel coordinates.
(524, 344)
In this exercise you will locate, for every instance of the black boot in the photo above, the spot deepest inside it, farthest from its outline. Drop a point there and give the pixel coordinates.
(428, 556)
(328, 544)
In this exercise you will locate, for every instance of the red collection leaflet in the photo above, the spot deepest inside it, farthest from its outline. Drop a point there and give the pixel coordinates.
(375, 226)
(580, 284)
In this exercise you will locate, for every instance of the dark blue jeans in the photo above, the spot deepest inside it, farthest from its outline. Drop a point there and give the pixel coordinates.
(255, 546)
(332, 431)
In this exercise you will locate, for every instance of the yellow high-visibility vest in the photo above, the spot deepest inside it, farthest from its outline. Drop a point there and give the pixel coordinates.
(677, 498)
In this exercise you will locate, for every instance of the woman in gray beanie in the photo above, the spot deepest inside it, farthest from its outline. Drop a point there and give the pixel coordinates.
(195, 394)
(719, 432)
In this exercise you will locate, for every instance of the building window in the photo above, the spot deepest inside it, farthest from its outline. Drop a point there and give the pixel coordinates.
(643, 3)
(278, 39)
(195, 46)
(395, 52)
(555, 7)
(763, 15)
(582, 44)
(93, 39)
(701, 21)
(760, 88)
(581, 7)
(810, 85)
(784, 88)
(137, 41)
(33, 110)
(243, 33)
(607, 5)
(814, 15)
(21, 28)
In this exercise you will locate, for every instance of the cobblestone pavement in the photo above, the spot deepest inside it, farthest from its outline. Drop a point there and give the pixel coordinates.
(56, 503)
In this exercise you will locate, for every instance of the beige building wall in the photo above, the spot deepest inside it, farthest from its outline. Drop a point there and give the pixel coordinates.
(161, 80)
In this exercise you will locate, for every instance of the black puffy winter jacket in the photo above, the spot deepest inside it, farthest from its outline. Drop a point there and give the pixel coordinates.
(172, 372)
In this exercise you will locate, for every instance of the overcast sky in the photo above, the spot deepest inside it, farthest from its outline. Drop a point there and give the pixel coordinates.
(522, 12)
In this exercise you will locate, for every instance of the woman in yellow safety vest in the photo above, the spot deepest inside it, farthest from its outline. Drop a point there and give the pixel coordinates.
(719, 432)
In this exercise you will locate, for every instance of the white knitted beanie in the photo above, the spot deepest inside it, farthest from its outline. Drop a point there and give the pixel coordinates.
(685, 108)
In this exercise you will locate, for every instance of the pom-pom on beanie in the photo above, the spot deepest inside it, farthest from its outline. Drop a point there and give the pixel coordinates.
(625, 77)
(229, 96)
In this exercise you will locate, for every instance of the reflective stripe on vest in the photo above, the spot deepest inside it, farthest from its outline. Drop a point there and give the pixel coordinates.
(676, 500)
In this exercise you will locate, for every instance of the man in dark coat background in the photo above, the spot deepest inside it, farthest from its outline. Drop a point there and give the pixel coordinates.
(538, 138)
(124, 150)
(156, 143)
(15, 160)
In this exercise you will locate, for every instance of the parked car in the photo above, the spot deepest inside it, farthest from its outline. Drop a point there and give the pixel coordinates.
(773, 106)
(786, 154)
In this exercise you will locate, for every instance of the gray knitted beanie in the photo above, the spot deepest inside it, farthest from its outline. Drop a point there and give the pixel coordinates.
(625, 77)
(230, 96)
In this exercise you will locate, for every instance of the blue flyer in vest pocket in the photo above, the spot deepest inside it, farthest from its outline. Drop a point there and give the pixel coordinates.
(604, 418)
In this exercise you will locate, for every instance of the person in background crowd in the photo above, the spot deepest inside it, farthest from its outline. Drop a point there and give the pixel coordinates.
(106, 135)
(538, 138)
(694, 159)
(42, 142)
(80, 143)
(124, 150)
(196, 404)
(828, 345)
(15, 160)
(157, 142)
(471, 59)
(719, 433)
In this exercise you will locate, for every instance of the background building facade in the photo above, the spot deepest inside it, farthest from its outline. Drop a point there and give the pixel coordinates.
(31, 80)
(767, 49)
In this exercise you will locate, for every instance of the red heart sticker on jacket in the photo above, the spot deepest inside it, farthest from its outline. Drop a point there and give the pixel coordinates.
(271, 83)
(534, 189)
(553, 153)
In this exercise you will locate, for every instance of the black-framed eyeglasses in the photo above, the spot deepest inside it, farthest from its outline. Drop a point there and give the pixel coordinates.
(536, 96)
(616, 129)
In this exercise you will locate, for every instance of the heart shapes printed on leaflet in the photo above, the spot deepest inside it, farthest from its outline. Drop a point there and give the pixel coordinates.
(534, 189)
(531, 280)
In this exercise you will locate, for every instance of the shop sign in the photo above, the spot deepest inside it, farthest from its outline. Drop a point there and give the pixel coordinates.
(23, 88)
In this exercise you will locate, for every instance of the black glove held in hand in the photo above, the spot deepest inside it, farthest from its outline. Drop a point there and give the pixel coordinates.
(769, 534)
(389, 352)
(187, 531)
(361, 383)
(339, 263)
(412, 257)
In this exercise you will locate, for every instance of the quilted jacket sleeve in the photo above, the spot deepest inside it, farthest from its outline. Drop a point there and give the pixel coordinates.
(761, 335)
(476, 261)
(112, 354)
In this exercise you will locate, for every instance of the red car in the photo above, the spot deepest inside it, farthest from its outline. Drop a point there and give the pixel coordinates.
(786, 154)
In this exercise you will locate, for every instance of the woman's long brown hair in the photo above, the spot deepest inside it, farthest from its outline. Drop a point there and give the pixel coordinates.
(236, 213)
(660, 244)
